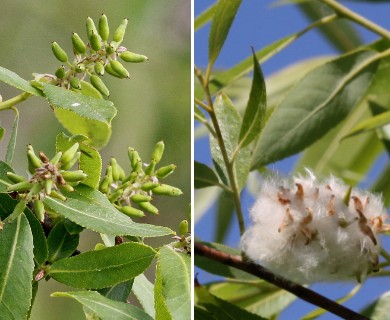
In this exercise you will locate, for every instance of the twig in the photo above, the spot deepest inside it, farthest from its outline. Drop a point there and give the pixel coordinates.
(263, 273)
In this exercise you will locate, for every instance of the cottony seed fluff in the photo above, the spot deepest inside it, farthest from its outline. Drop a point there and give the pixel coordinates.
(309, 231)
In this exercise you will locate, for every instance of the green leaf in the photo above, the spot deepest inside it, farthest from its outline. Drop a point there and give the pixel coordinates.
(60, 243)
(143, 290)
(4, 181)
(105, 308)
(204, 176)
(7, 205)
(203, 314)
(90, 159)
(16, 81)
(82, 114)
(174, 285)
(225, 210)
(322, 99)
(258, 297)
(91, 209)
(349, 159)
(2, 132)
(16, 269)
(223, 79)
(103, 268)
(379, 309)
(120, 292)
(89, 90)
(12, 140)
(220, 269)
(229, 122)
(221, 309)
(204, 17)
(255, 111)
(222, 20)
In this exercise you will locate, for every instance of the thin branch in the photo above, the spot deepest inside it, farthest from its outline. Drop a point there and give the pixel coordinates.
(10, 103)
(265, 274)
(343, 11)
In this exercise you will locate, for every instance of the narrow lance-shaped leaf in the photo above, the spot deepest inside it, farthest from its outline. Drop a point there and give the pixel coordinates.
(222, 309)
(12, 140)
(91, 209)
(103, 268)
(379, 309)
(204, 17)
(224, 217)
(204, 176)
(229, 122)
(4, 181)
(16, 267)
(174, 287)
(105, 308)
(322, 99)
(255, 111)
(60, 243)
(223, 18)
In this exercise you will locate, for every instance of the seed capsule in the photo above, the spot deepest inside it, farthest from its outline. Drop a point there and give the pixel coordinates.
(71, 163)
(56, 158)
(19, 208)
(137, 198)
(48, 185)
(147, 206)
(105, 185)
(128, 56)
(132, 212)
(99, 85)
(90, 28)
(110, 49)
(109, 70)
(119, 68)
(104, 29)
(60, 73)
(33, 161)
(150, 168)
(183, 227)
(99, 68)
(95, 41)
(158, 151)
(99, 246)
(57, 195)
(67, 187)
(120, 31)
(115, 196)
(79, 68)
(15, 178)
(147, 186)
(58, 52)
(69, 154)
(78, 44)
(164, 172)
(20, 187)
(117, 171)
(74, 176)
(167, 190)
(39, 210)
(34, 190)
(75, 83)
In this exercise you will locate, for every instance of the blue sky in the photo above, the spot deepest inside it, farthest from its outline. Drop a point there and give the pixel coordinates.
(258, 24)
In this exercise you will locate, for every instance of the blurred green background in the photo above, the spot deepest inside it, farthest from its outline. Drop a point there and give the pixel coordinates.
(153, 105)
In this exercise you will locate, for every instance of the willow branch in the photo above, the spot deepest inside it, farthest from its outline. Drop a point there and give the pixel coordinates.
(265, 274)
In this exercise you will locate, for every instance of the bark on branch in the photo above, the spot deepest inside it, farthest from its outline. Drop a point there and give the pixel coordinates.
(263, 273)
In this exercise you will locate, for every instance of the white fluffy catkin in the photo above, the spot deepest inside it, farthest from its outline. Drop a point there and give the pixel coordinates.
(310, 231)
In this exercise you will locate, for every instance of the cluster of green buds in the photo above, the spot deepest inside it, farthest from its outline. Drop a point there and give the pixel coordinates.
(48, 178)
(93, 59)
(183, 240)
(132, 194)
